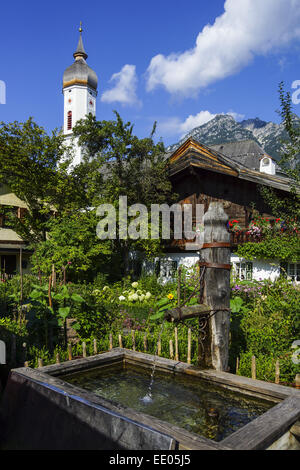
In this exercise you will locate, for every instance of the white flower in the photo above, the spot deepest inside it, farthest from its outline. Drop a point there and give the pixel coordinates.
(133, 297)
(148, 296)
(141, 297)
(135, 284)
(105, 288)
(122, 298)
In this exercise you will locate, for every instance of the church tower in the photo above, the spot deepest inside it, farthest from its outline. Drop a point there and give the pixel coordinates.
(80, 92)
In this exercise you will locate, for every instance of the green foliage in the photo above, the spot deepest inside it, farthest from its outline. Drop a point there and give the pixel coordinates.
(282, 247)
(265, 321)
(34, 166)
(133, 167)
(72, 242)
(287, 207)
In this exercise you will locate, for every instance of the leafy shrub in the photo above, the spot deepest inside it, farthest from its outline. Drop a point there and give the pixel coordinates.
(265, 321)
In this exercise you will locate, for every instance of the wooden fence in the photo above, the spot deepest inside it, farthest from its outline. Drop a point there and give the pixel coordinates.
(118, 341)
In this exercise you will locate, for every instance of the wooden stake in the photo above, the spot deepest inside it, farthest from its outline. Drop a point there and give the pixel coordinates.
(21, 276)
(95, 346)
(176, 344)
(70, 352)
(53, 277)
(189, 346)
(178, 286)
(84, 349)
(133, 339)
(26, 364)
(277, 372)
(237, 367)
(57, 358)
(49, 291)
(24, 352)
(120, 341)
(159, 347)
(145, 343)
(40, 362)
(253, 367)
(171, 349)
(110, 341)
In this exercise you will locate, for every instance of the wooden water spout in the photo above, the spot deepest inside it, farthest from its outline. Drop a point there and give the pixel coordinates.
(215, 303)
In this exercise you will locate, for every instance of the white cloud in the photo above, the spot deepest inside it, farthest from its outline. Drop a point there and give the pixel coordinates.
(175, 126)
(124, 90)
(245, 29)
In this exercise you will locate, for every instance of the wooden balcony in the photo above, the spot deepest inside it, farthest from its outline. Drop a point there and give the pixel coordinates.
(236, 238)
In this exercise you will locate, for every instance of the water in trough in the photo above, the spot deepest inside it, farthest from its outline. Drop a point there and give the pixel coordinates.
(191, 404)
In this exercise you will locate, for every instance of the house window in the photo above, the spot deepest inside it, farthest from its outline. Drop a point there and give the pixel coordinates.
(266, 162)
(8, 264)
(244, 271)
(69, 122)
(291, 271)
(166, 268)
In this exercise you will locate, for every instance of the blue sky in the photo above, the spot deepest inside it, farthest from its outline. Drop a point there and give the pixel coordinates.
(178, 63)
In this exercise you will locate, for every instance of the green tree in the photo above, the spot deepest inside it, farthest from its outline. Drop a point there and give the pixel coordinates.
(287, 208)
(72, 244)
(282, 244)
(35, 166)
(118, 163)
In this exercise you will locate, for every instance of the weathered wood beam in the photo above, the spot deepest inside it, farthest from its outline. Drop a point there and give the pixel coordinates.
(183, 313)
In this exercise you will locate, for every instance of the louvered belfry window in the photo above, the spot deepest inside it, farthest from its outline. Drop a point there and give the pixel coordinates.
(69, 124)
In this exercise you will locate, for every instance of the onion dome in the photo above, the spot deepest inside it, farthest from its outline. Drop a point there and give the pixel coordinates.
(79, 73)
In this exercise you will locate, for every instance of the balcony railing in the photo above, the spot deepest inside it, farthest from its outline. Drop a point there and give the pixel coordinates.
(236, 238)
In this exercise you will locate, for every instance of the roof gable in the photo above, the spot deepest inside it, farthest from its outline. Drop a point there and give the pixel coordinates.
(192, 153)
(202, 156)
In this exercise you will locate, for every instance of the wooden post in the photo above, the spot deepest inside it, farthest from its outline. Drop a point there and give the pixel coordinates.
(277, 372)
(40, 362)
(120, 341)
(189, 346)
(133, 339)
(26, 364)
(95, 346)
(145, 343)
(237, 366)
(24, 352)
(84, 349)
(49, 291)
(159, 347)
(53, 277)
(21, 276)
(110, 341)
(253, 367)
(297, 380)
(216, 253)
(178, 286)
(57, 358)
(70, 352)
(171, 349)
(176, 344)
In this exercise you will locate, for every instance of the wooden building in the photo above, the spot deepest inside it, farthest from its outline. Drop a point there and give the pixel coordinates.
(233, 175)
